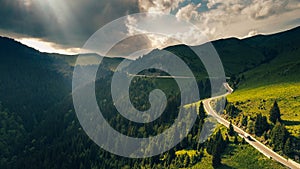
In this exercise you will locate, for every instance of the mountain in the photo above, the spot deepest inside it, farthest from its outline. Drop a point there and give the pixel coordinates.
(282, 68)
(39, 126)
(240, 55)
(30, 81)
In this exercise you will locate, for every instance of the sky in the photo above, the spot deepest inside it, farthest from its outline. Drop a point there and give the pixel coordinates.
(63, 26)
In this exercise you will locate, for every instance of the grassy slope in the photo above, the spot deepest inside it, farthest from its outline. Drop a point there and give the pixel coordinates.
(241, 156)
(278, 80)
(260, 100)
(283, 69)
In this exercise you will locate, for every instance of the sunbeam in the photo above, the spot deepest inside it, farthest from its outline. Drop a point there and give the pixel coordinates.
(59, 13)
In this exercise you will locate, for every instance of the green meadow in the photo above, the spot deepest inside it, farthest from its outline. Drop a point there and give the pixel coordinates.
(236, 156)
(260, 100)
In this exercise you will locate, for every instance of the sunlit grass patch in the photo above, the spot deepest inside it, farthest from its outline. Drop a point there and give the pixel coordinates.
(190, 153)
(260, 99)
(239, 155)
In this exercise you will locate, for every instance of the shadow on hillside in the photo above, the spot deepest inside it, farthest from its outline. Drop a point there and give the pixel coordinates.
(291, 123)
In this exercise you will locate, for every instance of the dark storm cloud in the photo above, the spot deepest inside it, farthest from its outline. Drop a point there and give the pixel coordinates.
(68, 22)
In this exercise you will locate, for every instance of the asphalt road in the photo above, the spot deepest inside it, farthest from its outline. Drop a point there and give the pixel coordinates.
(248, 138)
(162, 77)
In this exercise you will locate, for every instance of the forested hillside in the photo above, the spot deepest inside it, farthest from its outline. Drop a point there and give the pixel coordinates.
(39, 128)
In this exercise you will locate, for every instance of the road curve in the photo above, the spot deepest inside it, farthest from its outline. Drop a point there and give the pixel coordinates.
(248, 138)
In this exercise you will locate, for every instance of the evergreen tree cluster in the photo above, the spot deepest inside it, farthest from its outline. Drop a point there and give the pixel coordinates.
(231, 110)
(279, 136)
(215, 147)
(275, 132)
(261, 125)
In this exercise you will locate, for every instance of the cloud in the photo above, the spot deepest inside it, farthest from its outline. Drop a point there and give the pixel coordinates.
(255, 9)
(165, 30)
(264, 9)
(188, 12)
(152, 40)
(236, 18)
(164, 6)
(68, 22)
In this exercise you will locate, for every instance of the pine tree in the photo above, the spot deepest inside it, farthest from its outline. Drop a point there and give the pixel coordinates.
(275, 113)
(216, 160)
(231, 110)
(231, 130)
(215, 144)
(220, 144)
(260, 125)
(257, 125)
(279, 135)
(202, 114)
(265, 124)
(215, 147)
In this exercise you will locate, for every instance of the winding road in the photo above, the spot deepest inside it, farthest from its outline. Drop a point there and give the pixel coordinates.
(248, 138)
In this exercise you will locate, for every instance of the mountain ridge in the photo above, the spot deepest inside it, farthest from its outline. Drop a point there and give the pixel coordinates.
(258, 36)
